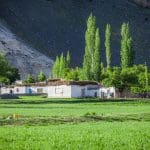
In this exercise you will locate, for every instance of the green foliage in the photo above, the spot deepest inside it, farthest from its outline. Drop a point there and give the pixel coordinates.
(62, 71)
(30, 79)
(97, 59)
(3, 65)
(127, 53)
(12, 74)
(56, 68)
(139, 90)
(91, 62)
(126, 78)
(41, 76)
(61, 66)
(68, 60)
(112, 77)
(108, 44)
(4, 80)
(73, 74)
(86, 66)
(147, 76)
(143, 81)
(8, 74)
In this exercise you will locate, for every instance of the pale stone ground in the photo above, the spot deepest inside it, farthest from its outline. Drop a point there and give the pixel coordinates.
(21, 55)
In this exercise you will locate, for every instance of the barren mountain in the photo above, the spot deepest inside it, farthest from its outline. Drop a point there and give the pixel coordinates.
(55, 26)
(143, 3)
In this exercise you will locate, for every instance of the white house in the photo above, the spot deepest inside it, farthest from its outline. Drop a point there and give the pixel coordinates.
(58, 88)
(72, 89)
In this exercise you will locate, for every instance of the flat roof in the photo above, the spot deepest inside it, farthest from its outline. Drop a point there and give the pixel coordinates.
(57, 82)
(64, 82)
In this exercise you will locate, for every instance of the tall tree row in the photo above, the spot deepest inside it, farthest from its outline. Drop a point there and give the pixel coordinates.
(127, 53)
(92, 68)
(91, 62)
(108, 45)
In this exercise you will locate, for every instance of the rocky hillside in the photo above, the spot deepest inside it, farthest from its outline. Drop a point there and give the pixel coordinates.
(55, 26)
(21, 55)
(142, 3)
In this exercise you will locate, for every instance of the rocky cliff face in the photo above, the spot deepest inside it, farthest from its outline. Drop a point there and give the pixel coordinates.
(22, 56)
(143, 3)
(55, 26)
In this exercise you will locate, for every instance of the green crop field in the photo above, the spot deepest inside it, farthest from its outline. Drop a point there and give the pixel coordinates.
(37, 123)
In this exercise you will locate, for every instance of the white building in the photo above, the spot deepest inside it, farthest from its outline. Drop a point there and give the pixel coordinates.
(37, 88)
(58, 88)
(72, 89)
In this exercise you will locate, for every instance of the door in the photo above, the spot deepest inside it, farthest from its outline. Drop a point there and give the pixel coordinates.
(82, 92)
(95, 94)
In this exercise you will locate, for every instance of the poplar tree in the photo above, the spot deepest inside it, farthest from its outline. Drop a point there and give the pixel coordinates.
(56, 68)
(86, 66)
(41, 76)
(127, 53)
(92, 44)
(88, 56)
(68, 60)
(97, 59)
(62, 66)
(108, 45)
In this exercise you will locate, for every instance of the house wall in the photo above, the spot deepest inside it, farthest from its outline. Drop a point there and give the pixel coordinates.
(72, 91)
(84, 91)
(36, 89)
(76, 91)
(61, 91)
(5, 90)
(19, 90)
(107, 92)
(24, 90)
(92, 93)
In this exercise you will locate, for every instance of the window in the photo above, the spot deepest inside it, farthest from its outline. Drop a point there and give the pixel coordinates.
(58, 90)
(40, 90)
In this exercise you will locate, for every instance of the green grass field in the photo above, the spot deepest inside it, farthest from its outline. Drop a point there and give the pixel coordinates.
(44, 124)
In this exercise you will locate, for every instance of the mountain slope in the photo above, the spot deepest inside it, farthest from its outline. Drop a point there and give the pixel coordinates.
(55, 26)
(21, 55)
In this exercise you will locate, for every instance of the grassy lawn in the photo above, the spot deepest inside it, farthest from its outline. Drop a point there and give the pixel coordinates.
(74, 124)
